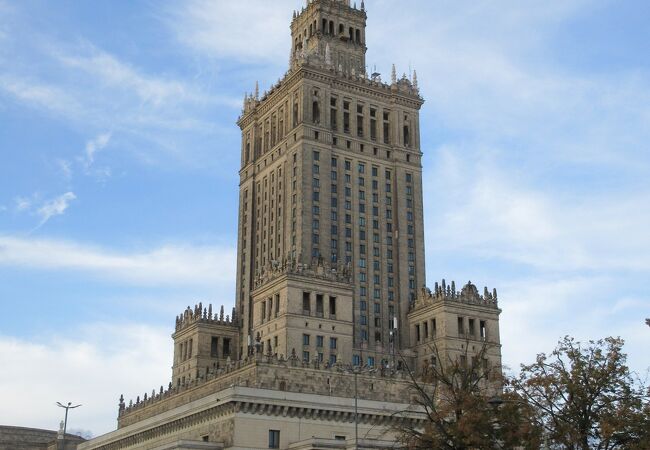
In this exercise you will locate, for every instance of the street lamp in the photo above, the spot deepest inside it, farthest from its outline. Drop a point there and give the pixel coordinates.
(65, 422)
(356, 417)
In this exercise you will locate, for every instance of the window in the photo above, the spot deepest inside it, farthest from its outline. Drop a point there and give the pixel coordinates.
(319, 341)
(483, 330)
(356, 361)
(371, 361)
(461, 326)
(305, 356)
(472, 330)
(332, 360)
(333, 342)
(214, 345)
(316, 156)
(306, 303)
(333, 306)
(274, 439)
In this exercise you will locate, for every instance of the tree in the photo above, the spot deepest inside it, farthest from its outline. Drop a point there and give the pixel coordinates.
(586, 397)
(454, 396)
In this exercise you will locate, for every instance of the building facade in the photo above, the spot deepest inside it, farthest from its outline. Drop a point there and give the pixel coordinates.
(331, 299)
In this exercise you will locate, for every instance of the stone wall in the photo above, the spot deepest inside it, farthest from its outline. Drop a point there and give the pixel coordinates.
(266, 372)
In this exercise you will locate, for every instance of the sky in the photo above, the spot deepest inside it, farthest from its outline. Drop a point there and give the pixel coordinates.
(119, 156)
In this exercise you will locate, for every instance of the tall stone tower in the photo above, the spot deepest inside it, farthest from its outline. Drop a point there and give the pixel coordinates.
(331, 243)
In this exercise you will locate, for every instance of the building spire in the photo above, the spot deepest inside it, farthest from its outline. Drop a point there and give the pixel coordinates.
(415, 79)
(393, 75)
(257, 90)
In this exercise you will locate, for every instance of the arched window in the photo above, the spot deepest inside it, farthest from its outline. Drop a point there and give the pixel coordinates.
(311, 30)
(341, 29)
(324, 27)
(358, 36)
(351, 33)
(332, 28)
(407, 136)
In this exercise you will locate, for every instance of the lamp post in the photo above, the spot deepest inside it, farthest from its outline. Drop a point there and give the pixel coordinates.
(356, 417)
(65, 422)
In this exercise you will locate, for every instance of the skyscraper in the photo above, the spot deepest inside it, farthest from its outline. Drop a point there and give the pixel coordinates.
(331, 297)
(331, 181)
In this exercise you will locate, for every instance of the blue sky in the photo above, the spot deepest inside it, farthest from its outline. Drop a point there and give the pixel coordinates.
(118, 180)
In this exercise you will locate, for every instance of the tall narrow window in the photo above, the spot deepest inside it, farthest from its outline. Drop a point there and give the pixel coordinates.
(274, 439)
(316, 112)
(214, 347)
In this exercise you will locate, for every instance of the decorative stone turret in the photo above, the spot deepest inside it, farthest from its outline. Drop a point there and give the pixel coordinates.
(203, 341)
(204, 315)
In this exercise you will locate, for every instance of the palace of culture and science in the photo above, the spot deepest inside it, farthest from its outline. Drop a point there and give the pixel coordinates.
(331, 304)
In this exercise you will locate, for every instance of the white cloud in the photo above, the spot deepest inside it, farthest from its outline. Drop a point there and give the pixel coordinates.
(91, 365)
(22, 204)
(251, 31)
(65, 167)
(166, 265)
(117, 74)
(55, 207)
(483, 210)
(538, 311)
(93, 146)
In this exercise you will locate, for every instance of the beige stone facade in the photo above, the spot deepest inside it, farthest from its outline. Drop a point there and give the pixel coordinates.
(330, 302)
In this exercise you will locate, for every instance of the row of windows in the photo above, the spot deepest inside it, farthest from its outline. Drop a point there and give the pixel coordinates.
(306, 341)
(361, 168)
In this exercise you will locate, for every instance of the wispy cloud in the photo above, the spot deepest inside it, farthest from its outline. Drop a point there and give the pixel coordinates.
(92, 147)
(91, 89)
(225, 29)
(65, 167)
(485, 211)
(55, 207)
(22, 204)
(166, 265)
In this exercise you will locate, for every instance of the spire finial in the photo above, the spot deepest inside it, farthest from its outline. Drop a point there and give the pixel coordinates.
(257, 90)
(363, 6)
(393, 75)
(415, 79)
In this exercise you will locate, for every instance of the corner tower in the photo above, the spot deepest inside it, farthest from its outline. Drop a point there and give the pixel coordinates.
(330, 198)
